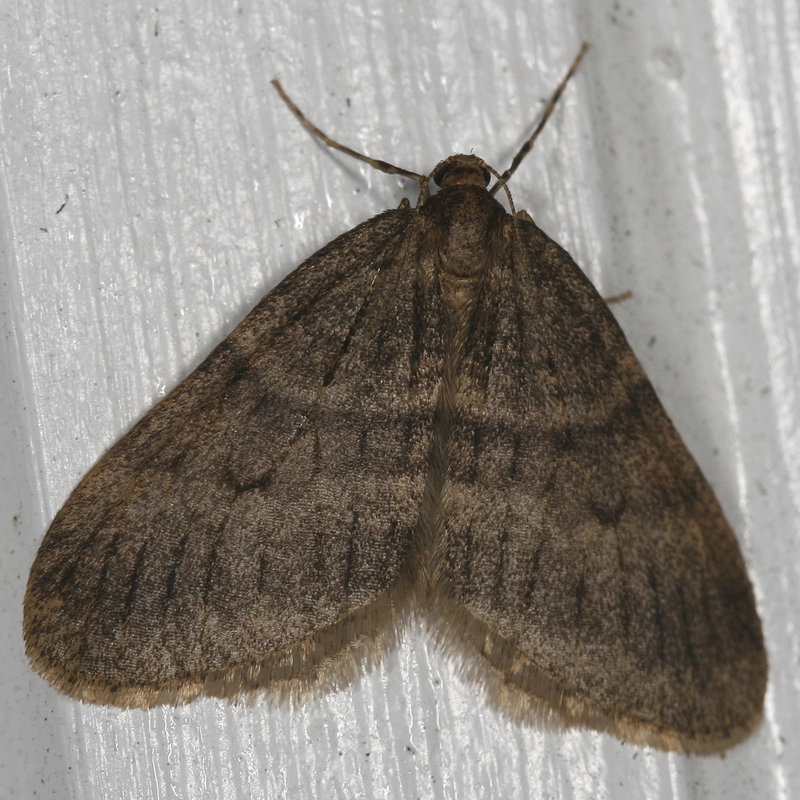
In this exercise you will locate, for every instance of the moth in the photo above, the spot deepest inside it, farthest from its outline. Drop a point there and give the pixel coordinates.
(435, 414)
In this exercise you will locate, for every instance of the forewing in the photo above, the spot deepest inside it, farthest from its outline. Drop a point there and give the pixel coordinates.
(253, 528)
(584, 555)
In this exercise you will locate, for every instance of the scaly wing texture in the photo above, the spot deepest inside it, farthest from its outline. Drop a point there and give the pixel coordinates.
(254, 527)
(584, 557)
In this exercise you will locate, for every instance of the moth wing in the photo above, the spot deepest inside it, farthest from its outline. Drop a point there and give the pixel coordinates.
(584, 557)
(253, 528)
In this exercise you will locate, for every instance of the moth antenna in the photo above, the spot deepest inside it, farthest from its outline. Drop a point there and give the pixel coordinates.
(528, 146)
(501, 182)
(383, 166)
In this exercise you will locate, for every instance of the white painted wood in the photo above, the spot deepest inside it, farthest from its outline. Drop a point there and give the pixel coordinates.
(670, 169)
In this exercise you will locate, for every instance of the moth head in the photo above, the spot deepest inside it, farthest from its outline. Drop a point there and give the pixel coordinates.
(462, 170)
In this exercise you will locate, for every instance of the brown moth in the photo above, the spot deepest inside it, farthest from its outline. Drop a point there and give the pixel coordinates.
(434, 414)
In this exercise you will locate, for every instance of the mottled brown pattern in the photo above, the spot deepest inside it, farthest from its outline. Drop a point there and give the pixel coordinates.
(577, 530)
(435, 413)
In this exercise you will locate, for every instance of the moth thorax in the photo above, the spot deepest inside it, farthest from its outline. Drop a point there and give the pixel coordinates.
(470, 226)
